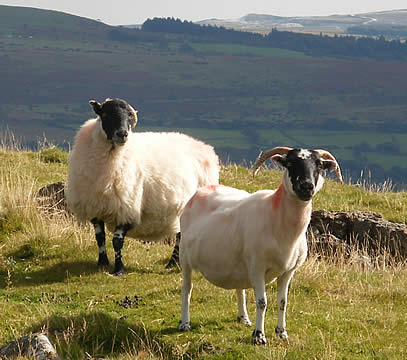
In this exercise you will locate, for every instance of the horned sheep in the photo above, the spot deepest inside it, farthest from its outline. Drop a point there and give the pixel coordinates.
(135, 183)
(239, 240)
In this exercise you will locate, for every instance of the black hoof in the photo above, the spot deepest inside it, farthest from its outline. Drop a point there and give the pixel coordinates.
(173, 263)
(184, 326)
(119, 271)
(259, 338)
(281, 333)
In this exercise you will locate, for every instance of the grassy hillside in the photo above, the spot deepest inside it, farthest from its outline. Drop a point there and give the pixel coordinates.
(48, 24)
(49, 280)
(239, 98)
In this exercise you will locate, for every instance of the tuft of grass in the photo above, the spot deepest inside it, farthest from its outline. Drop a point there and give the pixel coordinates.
(54, 155)
(8, 141)
(338, 308)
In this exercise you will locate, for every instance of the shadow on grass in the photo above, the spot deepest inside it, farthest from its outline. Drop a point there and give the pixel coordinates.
(61, 271)
(53, 274)
(21, 259)
(97, 334)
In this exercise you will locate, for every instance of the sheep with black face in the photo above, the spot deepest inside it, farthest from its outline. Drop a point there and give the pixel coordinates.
(239, 240)
(135, 183)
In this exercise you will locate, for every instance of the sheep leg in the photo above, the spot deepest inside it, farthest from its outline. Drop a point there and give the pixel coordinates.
(282, 291)
(258, 336)
(185, 324)
(242, 315)
(174, 260)
(100, 234)
(118, 240)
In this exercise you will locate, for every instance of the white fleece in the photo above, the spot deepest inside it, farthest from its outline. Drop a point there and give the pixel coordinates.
(146, 182)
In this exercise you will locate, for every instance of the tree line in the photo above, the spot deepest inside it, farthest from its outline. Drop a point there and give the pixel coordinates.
(388, 31)
(310, 44)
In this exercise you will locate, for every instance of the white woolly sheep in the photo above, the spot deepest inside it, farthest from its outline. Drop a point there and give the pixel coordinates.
(135, 183)
(239, 240)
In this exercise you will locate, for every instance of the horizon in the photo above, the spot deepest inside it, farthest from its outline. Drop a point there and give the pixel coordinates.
(128, 13)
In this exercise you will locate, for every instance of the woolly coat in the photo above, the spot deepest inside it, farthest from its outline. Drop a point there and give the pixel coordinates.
(146, 183)
(230, 235)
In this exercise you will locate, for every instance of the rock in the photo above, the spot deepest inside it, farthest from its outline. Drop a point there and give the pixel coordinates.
(36, 346)
(365, 229)
(51, 198)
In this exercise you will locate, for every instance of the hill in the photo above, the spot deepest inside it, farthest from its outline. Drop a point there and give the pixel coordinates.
(23, 22)
(338, 307)
(239, 97)
(392, 23)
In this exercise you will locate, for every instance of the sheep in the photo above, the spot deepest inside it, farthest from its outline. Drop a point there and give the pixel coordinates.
(135, 183)
(239, 240)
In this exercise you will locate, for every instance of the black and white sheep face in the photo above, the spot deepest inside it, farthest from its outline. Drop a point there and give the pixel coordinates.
(117, 118)
(302, 175)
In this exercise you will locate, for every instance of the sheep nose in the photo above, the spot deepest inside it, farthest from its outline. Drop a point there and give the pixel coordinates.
(306, 186)
(122, 133)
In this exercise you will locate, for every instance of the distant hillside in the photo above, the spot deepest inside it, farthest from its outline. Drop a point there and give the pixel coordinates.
(309, 44)
(48, 24)
(374, 23)
(240, 96)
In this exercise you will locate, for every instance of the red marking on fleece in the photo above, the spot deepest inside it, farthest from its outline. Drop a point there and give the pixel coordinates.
(276, 197)
(190, 202)
(202, 195)
(212, 188)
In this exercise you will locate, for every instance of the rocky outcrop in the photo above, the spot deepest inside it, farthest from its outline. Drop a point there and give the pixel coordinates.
(365, 230)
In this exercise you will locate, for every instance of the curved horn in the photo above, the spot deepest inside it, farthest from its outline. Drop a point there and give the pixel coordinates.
(269, 153)
(327, 155)
(134, 116)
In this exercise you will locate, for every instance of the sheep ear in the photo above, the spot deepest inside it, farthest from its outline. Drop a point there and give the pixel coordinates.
(97, 108)
(133, 116)
(328, 165)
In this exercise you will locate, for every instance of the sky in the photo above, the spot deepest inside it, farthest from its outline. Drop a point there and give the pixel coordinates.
(127, 12)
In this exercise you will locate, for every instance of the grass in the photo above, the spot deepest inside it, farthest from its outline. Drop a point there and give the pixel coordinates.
(234, 49)
(49, 280)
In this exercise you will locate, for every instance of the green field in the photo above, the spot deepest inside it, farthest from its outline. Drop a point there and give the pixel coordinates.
(233, 49)
(346, 144)
(217, 138)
